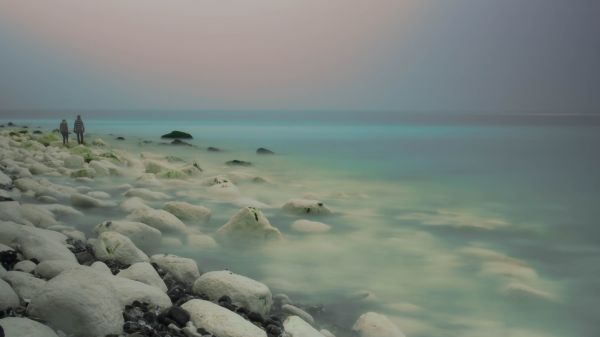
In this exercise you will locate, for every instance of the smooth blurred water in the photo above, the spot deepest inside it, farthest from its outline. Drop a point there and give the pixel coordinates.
(415, 200)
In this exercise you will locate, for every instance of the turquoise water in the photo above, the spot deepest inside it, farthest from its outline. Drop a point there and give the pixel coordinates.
(436, 219)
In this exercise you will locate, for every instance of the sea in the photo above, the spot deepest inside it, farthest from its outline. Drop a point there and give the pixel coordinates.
(451, 224)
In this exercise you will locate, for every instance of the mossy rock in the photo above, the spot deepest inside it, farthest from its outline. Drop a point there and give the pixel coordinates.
(83, 173)
(172, 174)
(237, 162)
(48, 138)
(86, 153)
(177, 134)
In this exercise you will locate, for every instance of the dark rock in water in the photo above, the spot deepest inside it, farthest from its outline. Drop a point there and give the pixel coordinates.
(120, 138)
(37, 132)
(236, 162)
(24, 131)
(2, 198)
(1, 125)
(213, 149)
(262, 150)
(8, 259)
(180, 142)
(146, 141)
(178, 315)
(10, 124)
(177, 134)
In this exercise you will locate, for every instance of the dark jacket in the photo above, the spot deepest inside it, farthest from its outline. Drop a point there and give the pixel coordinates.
(64, 127)
(78, 127)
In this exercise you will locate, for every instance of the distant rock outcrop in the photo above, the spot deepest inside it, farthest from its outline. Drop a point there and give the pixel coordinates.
(177, 134)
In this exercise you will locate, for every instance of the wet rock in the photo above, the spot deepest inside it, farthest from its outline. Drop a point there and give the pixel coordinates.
(115, 246)
(21, 326)
(295, 311)
(188, 212)
(213, 149)
(242, 290)
(249, 223)
(178, 315)
(177, 134)
(372, 324)
(26, 266)
(306, 207)
(262, 150)
(237, 162)
(296, 326)
(145, 273)
(24, 284)
(159, 219)
(51, 268)
(93, 310)
(140, 234)
(219, 321)
(8, 297)
(86, 201)
(74, 162)
(120, 138)
(182, 269)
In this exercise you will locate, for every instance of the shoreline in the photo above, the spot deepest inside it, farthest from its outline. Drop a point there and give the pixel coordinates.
(117, 244)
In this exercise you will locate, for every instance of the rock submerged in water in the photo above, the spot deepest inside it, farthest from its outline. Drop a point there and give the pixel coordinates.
(306, 207)
(237, 162)
(372, 324)
(307, 226)
(141, 234)
(213, 149)
(180, 142)
(249, 223)
(242, 291)
(177, 134)
(188, 212)
(262, 150)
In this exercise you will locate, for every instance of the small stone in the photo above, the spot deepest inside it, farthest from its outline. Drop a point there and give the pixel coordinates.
(237, 162)
(262, 150)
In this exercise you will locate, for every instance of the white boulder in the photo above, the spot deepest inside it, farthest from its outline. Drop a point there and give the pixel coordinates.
(25, 266)
(242, 290)
(201, 241)
(141, 234)
(74, 162)
(219, 321)
(50, 268)
(159, 219)
(249, 223)
(99, 195)
(372, 324)
(4, 179)
(92, 310)
(21, 326)
(145, 273)
(306, 207)
(24, 284)
(295, 326)
(132, 204)
(182, 269)
(188, 212)
(8, 297)
(131, 290)
(116, 246)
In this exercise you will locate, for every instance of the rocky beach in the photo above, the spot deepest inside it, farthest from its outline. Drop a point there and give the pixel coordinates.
(91, 239)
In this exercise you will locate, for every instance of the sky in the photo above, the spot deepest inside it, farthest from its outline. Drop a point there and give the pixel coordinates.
(516, 56)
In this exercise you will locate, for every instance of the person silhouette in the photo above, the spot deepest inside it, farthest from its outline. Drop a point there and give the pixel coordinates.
(79, 129)
(64, 131)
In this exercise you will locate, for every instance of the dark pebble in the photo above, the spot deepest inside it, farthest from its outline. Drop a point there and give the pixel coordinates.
(255, 317)
(180, 316)
(225, 299)
(37, 132)
(34, 260)
(131, 327)
(8, 258)
(180, 142)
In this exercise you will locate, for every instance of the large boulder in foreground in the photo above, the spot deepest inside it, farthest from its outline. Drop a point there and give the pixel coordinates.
(306, 207)
(21, 326)
(373, 324)
(141, 234)
(182, 269)
(115, 246)
(25, 285)
(177, 135)
(79, 302)
(296, 326)
(188, 212)
(249, 223)
(242, 290)
(220, 322)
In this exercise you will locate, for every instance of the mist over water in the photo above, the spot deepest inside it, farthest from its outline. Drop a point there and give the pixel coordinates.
(451, 229)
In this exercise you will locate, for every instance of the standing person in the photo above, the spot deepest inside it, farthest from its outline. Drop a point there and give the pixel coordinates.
(64, 131)
(79, 128)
